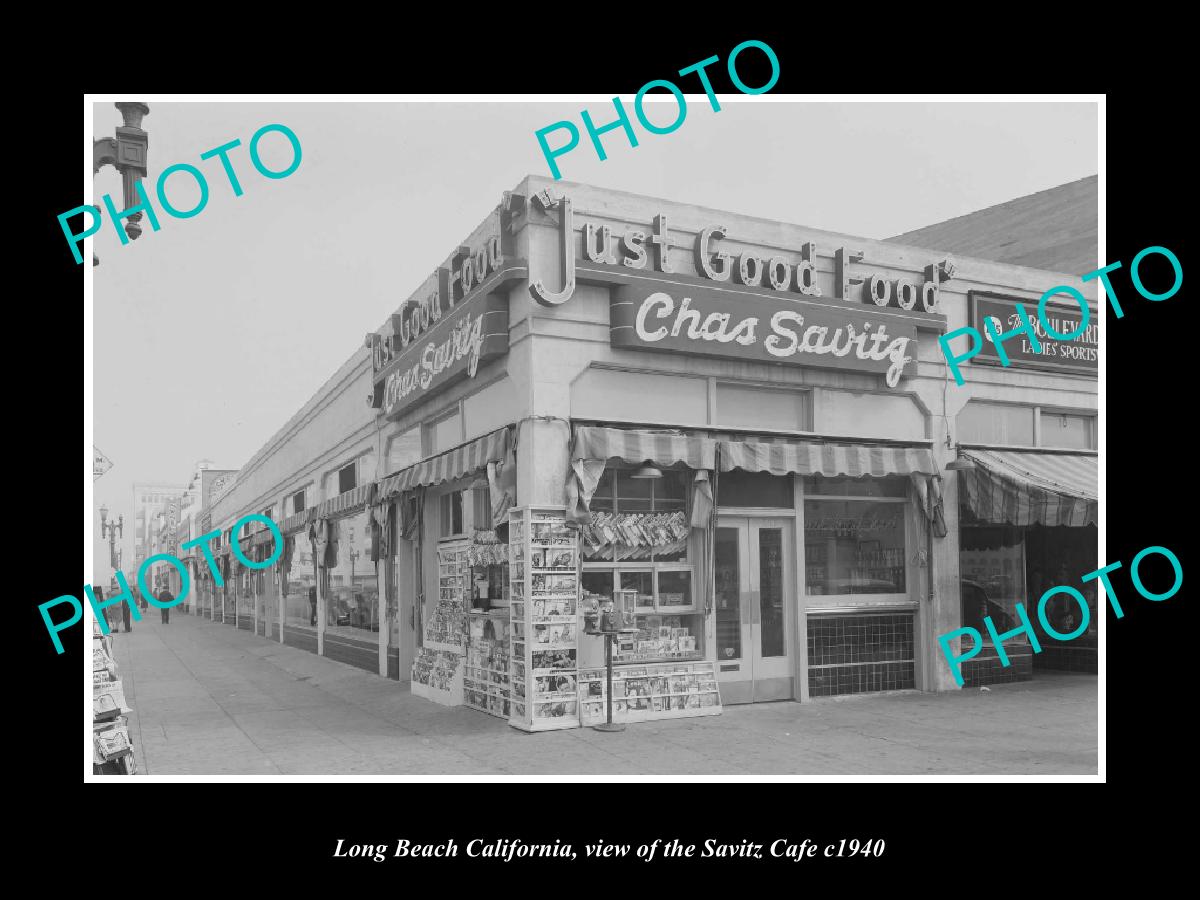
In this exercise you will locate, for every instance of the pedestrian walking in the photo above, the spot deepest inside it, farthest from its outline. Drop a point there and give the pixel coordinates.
(125, 616)
(312, 603)
(165, 596)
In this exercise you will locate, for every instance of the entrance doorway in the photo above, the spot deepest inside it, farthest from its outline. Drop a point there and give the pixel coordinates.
(754, 596)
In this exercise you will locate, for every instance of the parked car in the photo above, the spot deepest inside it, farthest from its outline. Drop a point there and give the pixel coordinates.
(976, 605)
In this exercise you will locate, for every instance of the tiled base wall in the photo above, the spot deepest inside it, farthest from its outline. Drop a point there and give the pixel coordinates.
(1065, 658)
(985, 670)
(859, 653)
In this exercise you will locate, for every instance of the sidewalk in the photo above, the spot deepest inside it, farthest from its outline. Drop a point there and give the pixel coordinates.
(209, 699)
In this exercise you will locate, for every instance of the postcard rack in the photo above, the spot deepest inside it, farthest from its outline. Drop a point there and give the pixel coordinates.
(642, 693)
(112, 749)
(437, 671)
(486, 666)
(544, 603)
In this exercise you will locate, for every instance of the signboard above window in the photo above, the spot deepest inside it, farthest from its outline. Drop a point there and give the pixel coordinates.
(1079, 355)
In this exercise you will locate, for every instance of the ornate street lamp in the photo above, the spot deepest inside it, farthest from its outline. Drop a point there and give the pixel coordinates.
(111, 530)
(127, 154)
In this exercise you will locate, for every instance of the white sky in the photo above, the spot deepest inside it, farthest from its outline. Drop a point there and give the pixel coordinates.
(211, 332)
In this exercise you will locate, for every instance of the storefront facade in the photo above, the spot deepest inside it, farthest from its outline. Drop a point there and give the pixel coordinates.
(746, 424)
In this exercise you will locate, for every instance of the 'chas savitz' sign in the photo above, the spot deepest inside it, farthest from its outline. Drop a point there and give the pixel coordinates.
(747, 305)
(448, 335)
(687, 319)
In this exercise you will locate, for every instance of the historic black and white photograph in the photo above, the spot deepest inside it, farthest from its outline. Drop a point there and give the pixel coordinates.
(687, 434)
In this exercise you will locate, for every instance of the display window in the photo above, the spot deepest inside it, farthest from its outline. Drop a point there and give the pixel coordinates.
(245, 593)
(637, 542)
(662, 608)
(352, 595)
(991, 578)
(856, 537)
(300, 601)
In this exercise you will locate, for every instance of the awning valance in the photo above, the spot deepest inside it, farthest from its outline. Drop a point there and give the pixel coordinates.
(343, 504)
(1031, 488)
(593, 446)
(830, 460)
(449, 465)
(664, 448)
(297, 522)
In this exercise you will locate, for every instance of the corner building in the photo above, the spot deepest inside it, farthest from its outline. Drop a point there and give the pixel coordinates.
(736, 430)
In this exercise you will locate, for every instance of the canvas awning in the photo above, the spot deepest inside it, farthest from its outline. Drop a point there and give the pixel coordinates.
(1030, 487)
(447, 466)
(663, 448)
(343, 504)
(830, 460)
(297, 522)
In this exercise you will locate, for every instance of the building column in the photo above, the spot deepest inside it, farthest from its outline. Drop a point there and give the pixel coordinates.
(542, 450)
(320, 611)
(381, 606)
(942, 613)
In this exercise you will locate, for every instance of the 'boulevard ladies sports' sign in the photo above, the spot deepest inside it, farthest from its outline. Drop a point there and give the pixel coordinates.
(703, 321)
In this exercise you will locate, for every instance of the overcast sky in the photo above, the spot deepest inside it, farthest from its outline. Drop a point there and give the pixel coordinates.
(211, 332)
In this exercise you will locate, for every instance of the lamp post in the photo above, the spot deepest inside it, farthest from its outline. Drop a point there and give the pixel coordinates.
(127, 154)
(111, 530)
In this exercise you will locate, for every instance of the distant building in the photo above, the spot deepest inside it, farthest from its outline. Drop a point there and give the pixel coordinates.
(149, 499)
(1055, 229)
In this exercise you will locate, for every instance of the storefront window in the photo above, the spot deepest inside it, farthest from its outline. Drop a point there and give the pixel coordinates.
(854, 546)
(856, 487)
(450, 507)
(992, 576)
(245, 599)
(300, 601)
(996, 423)
(351, 604)
(761, 489)
(637, 541)
(1068, 431)
(674, 588)
(648, 505)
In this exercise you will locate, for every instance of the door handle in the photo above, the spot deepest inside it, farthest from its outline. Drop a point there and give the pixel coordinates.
(747, 607)
(755, 607)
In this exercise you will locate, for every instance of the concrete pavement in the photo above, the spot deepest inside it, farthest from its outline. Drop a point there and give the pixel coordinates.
(209, 699)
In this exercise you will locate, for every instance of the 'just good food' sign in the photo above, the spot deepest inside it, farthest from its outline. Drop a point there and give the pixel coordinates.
(687, 319)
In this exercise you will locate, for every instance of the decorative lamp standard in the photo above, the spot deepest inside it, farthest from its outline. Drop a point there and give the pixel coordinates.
(111, 530)
(127, 154)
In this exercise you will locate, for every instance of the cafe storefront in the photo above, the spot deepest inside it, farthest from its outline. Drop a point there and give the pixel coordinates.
(736, 431)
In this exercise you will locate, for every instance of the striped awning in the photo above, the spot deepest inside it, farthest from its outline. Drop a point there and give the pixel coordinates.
(664, 448)
(447, 466)
(830, 460)
(344, 504)
(294, 523)
(1030, 488)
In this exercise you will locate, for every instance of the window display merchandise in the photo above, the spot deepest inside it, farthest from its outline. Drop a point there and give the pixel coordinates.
(112, 751)
(641, 693)
(437, 672)
(486, 668)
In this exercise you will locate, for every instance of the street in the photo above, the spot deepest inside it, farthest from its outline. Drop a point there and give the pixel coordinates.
(209, 699)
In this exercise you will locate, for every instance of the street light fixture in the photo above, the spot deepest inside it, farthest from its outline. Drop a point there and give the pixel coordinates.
(111, 530)
(127, 154)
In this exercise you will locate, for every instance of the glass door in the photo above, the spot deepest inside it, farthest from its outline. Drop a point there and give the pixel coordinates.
(754, 605)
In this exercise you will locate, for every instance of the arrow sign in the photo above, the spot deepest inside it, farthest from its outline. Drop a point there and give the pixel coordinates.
(100, 463)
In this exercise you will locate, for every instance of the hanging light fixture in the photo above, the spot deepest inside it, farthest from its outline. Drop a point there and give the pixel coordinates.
(960, 463)
(646, 472)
